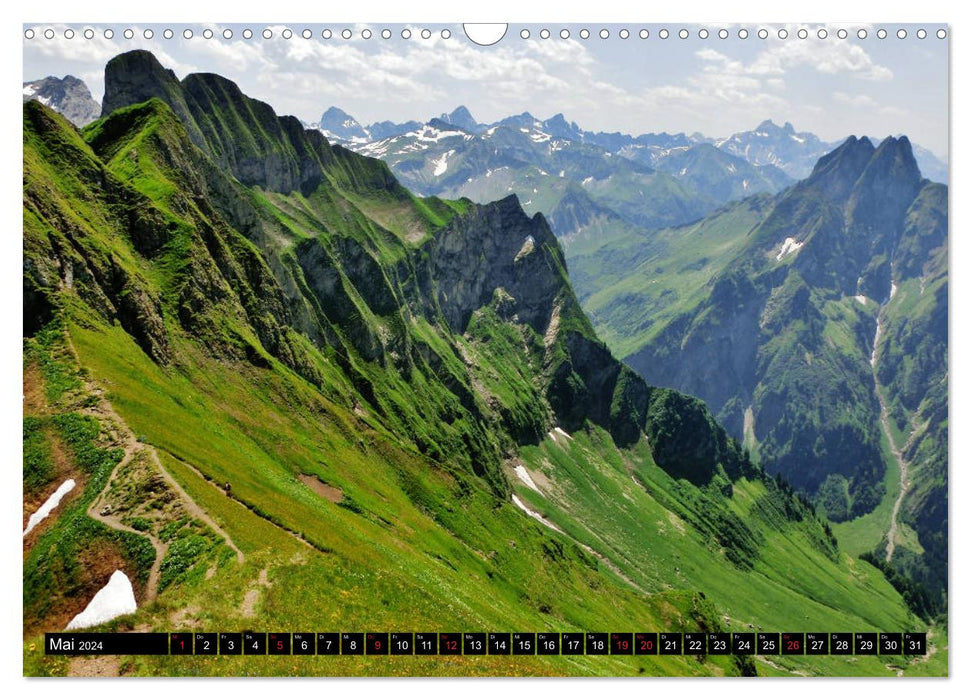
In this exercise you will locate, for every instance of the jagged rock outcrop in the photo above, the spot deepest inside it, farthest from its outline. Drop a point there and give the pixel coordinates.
(248, 139)
(69, 96)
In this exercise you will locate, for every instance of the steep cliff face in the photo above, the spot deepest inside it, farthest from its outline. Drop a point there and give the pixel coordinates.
(243, 136)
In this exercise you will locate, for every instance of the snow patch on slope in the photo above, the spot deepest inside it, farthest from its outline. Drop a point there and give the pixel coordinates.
(526, 478)
(441, 164)
(49, 505)
(533, 514)
(115, 599)
(790, 245)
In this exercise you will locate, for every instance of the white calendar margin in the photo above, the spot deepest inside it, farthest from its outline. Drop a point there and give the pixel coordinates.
(439, 11)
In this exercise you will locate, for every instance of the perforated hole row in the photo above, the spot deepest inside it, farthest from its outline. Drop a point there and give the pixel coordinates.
(287, 33)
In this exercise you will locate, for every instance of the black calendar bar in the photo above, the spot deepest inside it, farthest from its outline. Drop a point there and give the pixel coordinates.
(484, 643)
(106, 643)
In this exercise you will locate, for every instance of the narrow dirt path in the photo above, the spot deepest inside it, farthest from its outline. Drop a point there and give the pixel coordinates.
(95, 511)
(192, 507)
(115, 425)
(133, 446)
(239, 555)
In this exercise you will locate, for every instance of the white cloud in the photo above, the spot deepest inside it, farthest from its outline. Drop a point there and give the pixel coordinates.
(832, 57)
(865, 102)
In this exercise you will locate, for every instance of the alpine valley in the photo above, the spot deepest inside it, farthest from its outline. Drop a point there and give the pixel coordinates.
(291, 394)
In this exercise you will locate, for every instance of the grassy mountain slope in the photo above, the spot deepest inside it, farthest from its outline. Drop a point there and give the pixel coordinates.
(339, 379)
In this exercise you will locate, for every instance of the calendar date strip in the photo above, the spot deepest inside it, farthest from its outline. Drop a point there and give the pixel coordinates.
(485, 643)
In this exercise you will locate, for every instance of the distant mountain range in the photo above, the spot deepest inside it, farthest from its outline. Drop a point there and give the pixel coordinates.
(768, 144)
(591, 186)
(68, 95)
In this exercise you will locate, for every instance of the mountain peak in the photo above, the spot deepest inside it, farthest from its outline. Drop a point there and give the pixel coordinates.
(242, 135)
(463, 119)
(342, 125)
(838, 170)
(461, 112)
(135, 76)
(335, 113)
(893, 165)
(68, 95)
(858, 165)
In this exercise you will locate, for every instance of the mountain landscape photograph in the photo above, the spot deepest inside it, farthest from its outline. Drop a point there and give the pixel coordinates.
(371, 329)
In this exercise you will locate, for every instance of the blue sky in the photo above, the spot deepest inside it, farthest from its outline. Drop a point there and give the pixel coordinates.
(833, 87)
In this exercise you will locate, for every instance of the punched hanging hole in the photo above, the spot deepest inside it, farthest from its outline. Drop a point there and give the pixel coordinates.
(485, 34)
